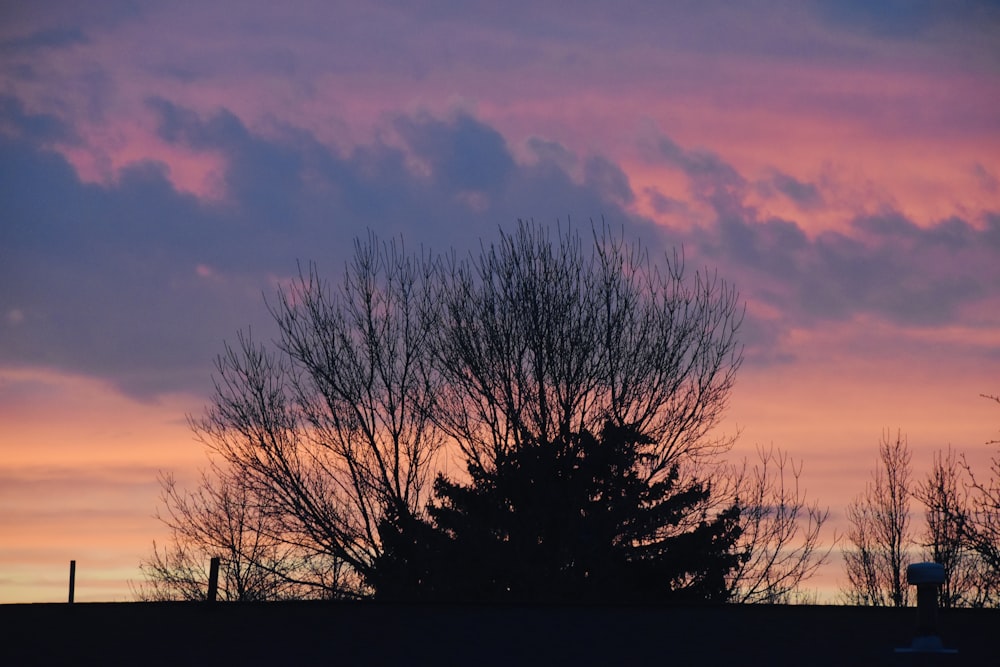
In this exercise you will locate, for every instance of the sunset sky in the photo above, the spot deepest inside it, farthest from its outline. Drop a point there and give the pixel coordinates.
(163, 166)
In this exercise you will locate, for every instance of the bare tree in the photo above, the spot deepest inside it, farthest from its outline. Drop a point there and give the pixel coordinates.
(541, 338)
(983, 529)
(879, 531)
(333, 431)
(945, 496)
(780, 531)
(981, 525)
(995, 399)
(221, 519)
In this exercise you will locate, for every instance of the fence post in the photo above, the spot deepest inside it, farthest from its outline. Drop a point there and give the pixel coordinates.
(213, 580)
(72, 580)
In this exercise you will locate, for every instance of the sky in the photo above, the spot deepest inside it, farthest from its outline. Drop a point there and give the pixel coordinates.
(165, 166)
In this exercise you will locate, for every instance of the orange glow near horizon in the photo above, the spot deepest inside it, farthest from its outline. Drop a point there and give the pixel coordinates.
(79, 470)
(93, 499)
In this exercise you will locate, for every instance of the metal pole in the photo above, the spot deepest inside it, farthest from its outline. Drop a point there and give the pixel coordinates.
(72, 580)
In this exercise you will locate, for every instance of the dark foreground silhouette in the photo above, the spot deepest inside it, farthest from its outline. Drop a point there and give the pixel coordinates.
(571, 520)
(309, 633)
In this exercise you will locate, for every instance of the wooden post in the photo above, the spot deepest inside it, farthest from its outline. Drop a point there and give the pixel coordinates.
(213, 580)
(72, 580)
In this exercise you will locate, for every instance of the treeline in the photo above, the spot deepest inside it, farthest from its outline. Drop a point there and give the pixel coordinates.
(536, 422)
(961, 529)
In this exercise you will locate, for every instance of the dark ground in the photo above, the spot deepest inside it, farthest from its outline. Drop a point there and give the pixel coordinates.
(300, 633)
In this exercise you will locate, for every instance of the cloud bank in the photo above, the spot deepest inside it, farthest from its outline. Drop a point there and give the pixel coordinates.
(139, 283)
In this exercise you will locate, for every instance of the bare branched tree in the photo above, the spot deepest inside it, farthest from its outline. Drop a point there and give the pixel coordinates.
(220, 518)
(981, 527)
(541, 338)
(780, 531)
(879, 531)
(333, 431)
(995, 399)
(945, 496)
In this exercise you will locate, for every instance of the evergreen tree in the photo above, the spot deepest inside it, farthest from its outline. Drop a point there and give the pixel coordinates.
(571, 520)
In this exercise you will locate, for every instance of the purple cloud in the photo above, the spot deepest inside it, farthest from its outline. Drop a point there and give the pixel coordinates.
(806, 196)
(139, 283)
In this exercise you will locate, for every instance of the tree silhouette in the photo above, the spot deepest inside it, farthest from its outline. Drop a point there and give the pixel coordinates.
(961, 533)
(982, 526)
(570, 377)
(221, 518)
(332, 430)
(879, 531)
(971, 517)
(944, 492)
(539, 338)
(779, 530)
(570, 520)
